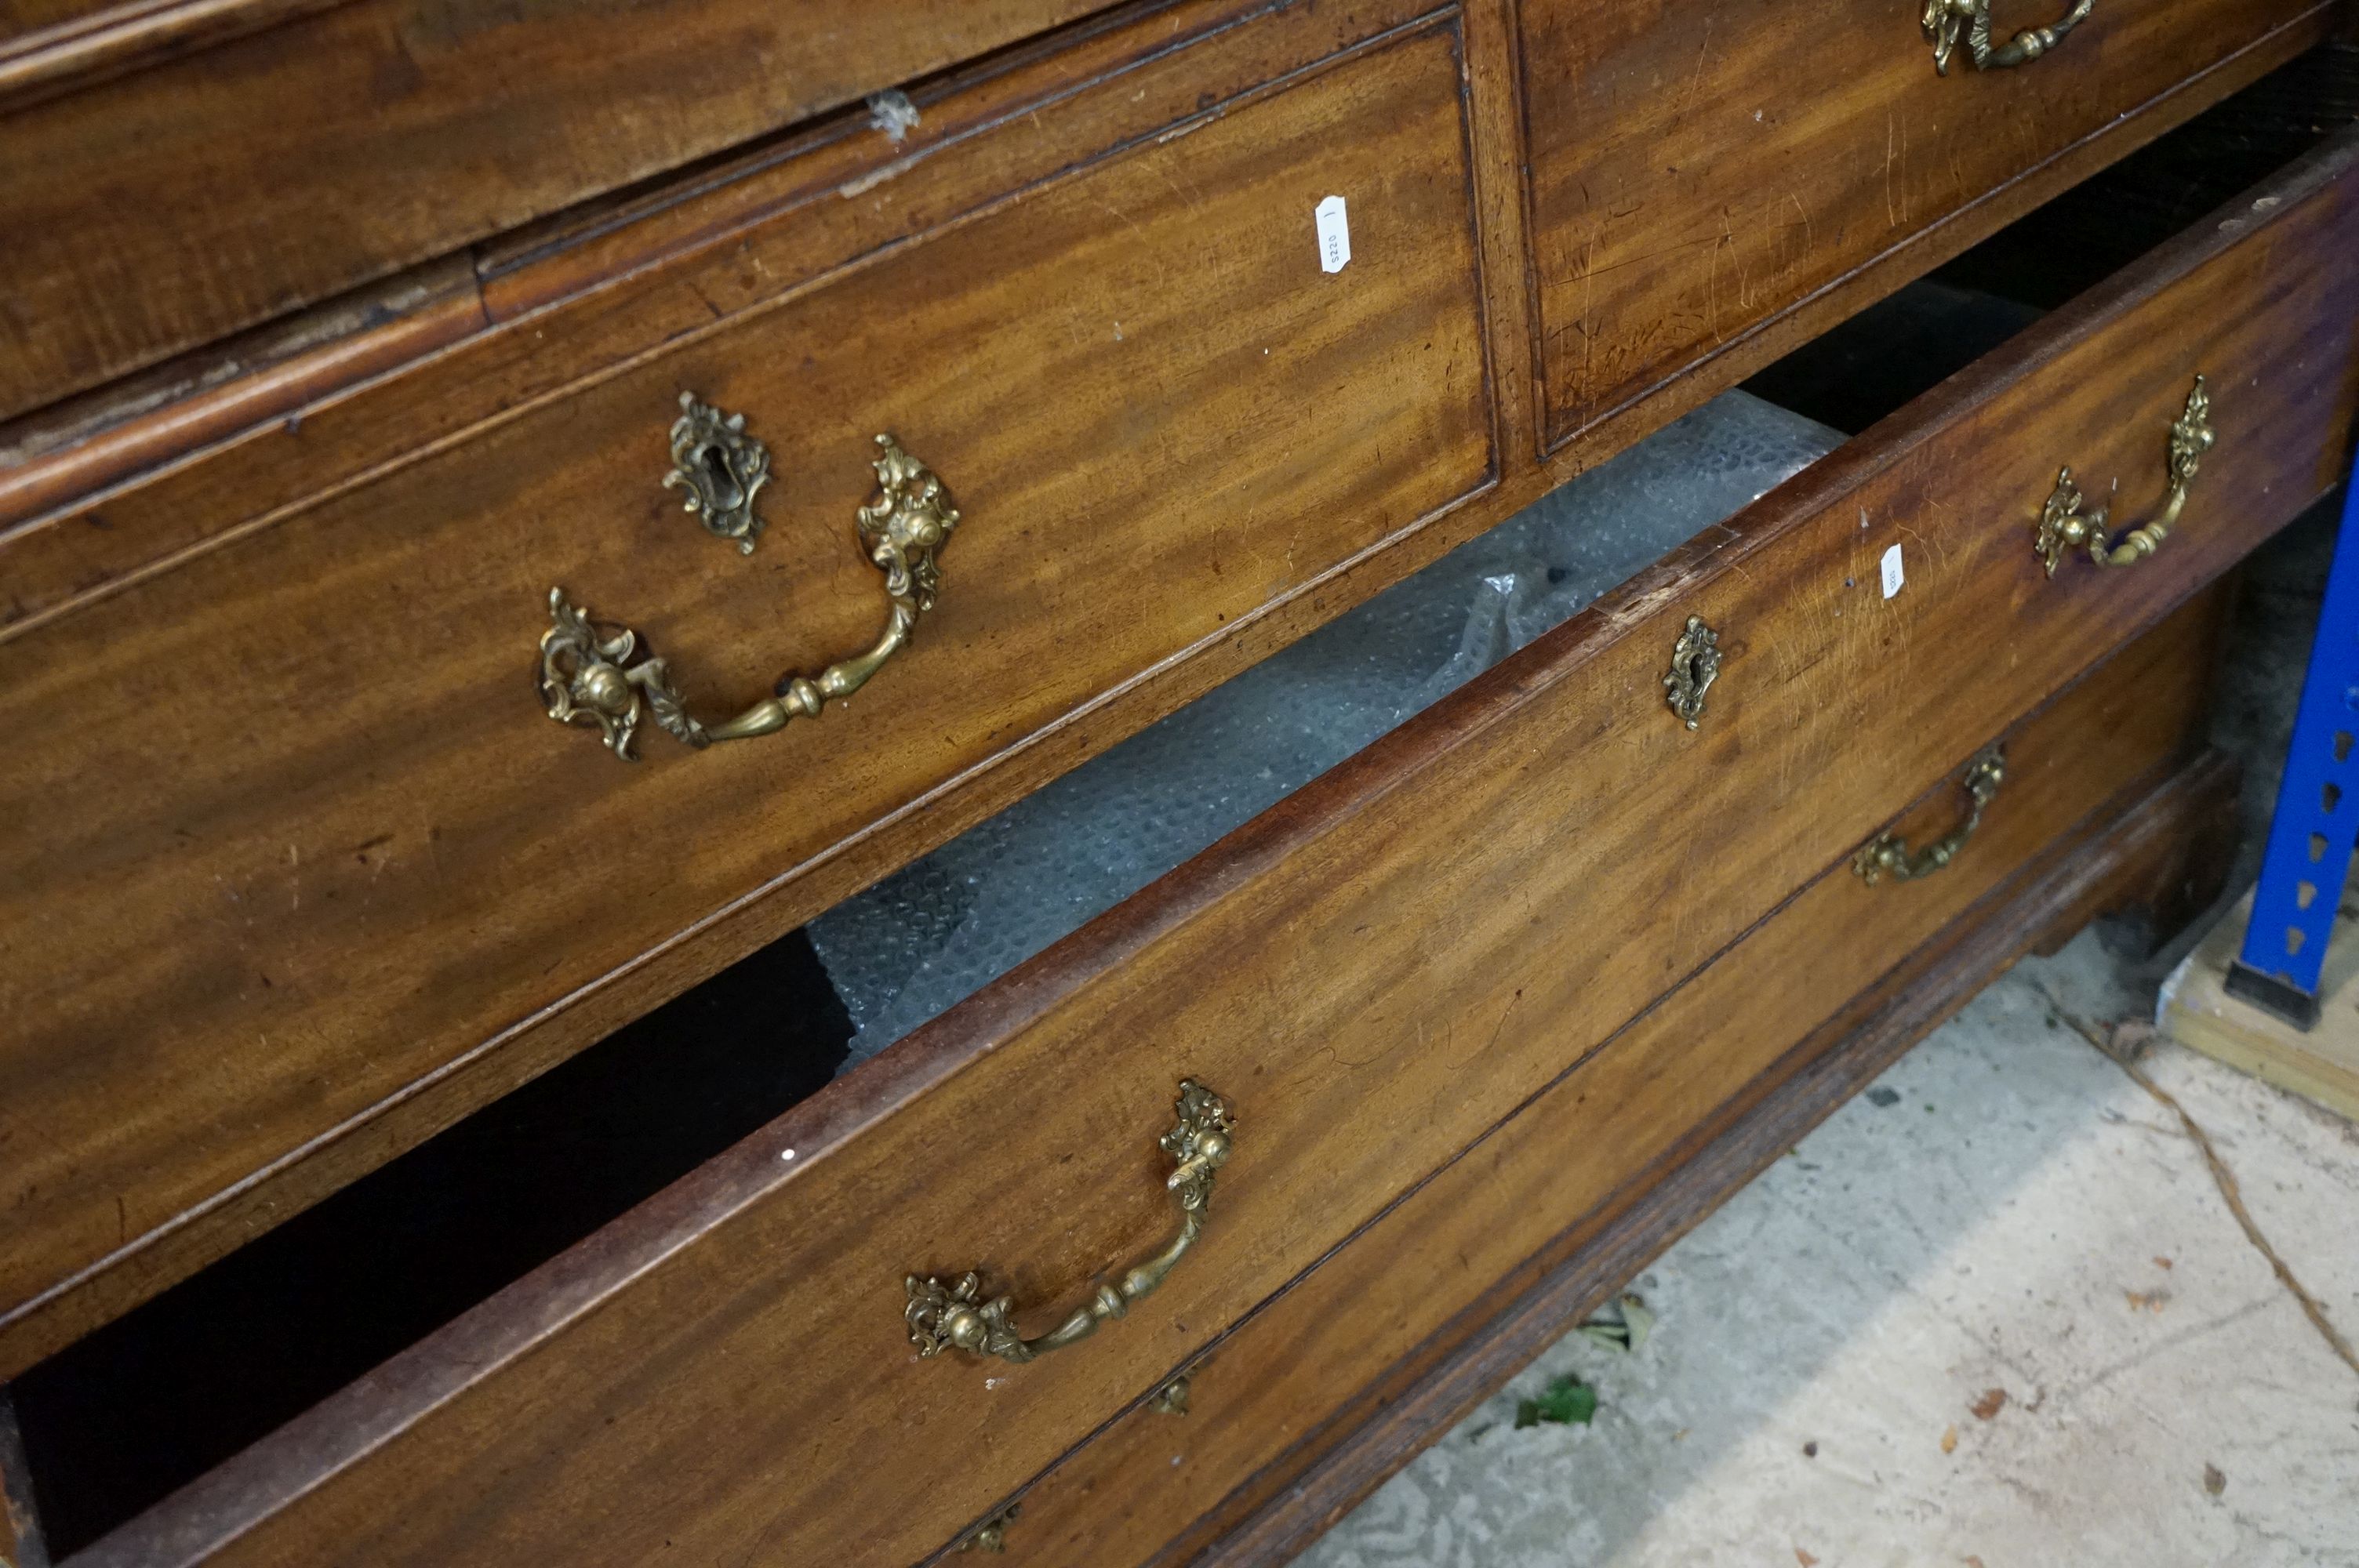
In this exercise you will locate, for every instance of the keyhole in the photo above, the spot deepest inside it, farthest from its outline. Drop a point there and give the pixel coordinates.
(726, 494)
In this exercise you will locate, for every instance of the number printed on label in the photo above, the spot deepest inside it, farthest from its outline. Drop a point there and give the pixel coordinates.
(1892, 574)
(1334, 235)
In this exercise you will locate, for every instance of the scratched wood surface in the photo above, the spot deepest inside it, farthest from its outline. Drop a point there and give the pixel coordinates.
(1388, 930)
(150, 210)
(1701, 167)
(2173, 847)
(303, 836)
(1273, 1398)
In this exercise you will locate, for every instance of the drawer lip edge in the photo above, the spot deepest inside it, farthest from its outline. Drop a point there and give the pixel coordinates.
(66, 56)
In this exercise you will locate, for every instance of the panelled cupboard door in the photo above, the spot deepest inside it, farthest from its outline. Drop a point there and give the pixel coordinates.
(1373, 975)
(173, 173)
(1699, 168)
(296, 835)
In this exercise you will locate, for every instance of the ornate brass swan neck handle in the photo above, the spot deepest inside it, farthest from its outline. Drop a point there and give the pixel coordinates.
(1887, 855)
(954, 1316)
(2064, 528)
(587, 671)
(1945, 21)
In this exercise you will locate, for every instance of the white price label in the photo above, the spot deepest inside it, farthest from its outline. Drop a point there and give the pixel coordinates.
(1334, 235)
(1893, 576)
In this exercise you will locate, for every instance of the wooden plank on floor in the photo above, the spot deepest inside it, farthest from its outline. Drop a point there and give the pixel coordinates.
(2322, 1064)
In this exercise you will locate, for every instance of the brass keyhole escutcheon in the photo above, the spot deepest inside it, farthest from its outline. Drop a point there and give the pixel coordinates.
(1695, 664)
(721, 467)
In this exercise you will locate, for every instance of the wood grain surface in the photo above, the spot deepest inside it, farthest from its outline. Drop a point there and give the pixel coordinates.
(342, 846)
(2174, 844)
(1699, 168)
(569, 301)
(156, 209)
(158, 417)
(1395, 950)
(561, 304)
(1275, 1396)
(108, 488)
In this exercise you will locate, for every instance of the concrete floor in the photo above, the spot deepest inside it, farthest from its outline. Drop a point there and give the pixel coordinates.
(1996, 1312)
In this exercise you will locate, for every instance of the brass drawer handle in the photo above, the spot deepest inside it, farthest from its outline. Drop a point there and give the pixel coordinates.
(991, 1535)
(1172, 1397)
(1886, 855)
(587, 675)
(2063, 528)
(944, 1316)
(1944, 20)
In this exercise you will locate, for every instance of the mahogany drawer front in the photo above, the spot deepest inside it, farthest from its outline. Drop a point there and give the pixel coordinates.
(173, 177)
(302, 836)
(1699, 167)
(1374, 974)
(1484, 1228)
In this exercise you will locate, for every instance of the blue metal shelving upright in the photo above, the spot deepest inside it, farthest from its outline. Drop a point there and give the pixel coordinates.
(2315, 824)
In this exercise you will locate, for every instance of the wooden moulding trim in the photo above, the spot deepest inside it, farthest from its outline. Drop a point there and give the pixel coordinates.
(1067, 60)
(55, 60)
(2102, 862)
(125, 430)
(66, 454)
(524, 290)
(122, 430)
(1945, 236)
(1491, 59)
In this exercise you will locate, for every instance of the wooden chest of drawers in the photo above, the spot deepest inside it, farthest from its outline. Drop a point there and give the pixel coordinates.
(1192, 326)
